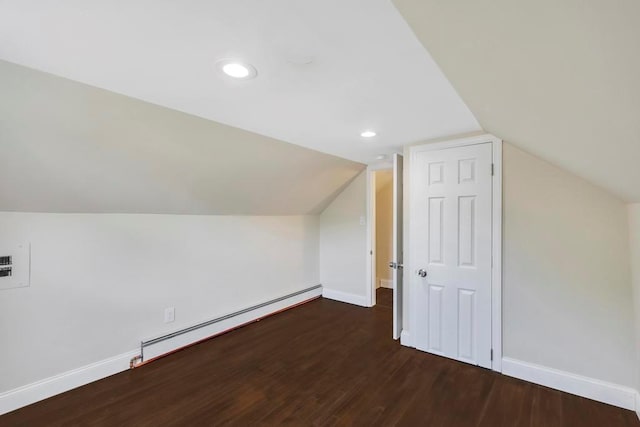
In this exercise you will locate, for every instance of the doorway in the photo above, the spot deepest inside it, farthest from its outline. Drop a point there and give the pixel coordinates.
(383, 234)
(384, 237)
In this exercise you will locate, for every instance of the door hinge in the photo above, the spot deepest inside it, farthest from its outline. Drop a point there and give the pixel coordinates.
(492, 169)
(492, 355)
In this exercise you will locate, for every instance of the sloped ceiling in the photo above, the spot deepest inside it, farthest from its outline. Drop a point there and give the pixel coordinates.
(327, 69)
(559, 79)
(69, 147)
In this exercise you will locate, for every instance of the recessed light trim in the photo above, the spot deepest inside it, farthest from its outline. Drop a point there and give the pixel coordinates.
(236, 69)
(368, 134)
(381, 157)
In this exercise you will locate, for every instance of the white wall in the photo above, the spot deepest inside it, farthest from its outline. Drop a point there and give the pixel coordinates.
(634, 241)
(100, 282)
(343, 241)
(566, 277)
(384, 223)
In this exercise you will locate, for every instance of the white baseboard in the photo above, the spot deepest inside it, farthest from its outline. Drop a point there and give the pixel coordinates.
(638, 404)
(602, 391)
(386, 283)
(345, 297)
(405, 339)
(31, 393)
(232, 321)
(43, 389)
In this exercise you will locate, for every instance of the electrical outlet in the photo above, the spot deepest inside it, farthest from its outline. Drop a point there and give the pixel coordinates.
(169, 314)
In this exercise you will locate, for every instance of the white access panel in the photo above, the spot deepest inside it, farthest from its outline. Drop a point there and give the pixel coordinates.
(15, 266)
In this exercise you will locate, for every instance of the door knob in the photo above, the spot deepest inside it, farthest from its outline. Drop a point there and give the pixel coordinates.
(392, 265)
(422, 272)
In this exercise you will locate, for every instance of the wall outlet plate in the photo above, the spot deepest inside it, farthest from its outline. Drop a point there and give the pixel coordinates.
(169, 314)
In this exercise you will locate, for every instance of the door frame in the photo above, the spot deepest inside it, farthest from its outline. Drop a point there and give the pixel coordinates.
(371, 228)
(496, 237)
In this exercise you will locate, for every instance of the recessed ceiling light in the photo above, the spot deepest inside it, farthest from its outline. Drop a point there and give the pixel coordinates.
(368, 134)
(381, 157)
(237, 69)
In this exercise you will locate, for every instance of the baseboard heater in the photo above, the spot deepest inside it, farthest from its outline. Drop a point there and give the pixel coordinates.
(166, 344)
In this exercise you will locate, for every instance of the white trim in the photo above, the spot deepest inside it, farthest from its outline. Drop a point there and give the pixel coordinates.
(496, 271)
(371, 231)
(386, 283)
(31, 393)
(496, 257)
(43, 389)
(459, 142)
(405, 339)
(601, 391)
(345, 297)
(638, 404)
(371, 237)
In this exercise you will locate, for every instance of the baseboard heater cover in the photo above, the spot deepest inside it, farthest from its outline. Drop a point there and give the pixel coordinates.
(155, 348)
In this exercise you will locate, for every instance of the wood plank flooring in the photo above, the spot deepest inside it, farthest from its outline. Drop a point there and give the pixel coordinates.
(323, 363)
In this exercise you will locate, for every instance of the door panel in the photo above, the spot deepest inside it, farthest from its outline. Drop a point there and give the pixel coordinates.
(451, 226)
(436, 230)
(436, 324)
(466, 321)
(466, 232)
(397, 274)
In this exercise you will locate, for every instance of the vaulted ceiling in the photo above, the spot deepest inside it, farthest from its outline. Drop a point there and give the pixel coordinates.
(556, 78)
(327, 70)
(69, 147)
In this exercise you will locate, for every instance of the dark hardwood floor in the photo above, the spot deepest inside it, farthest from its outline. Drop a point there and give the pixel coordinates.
(384, 298)
(323, 363)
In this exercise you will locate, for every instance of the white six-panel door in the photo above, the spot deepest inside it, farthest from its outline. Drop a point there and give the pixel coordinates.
(451, 209)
